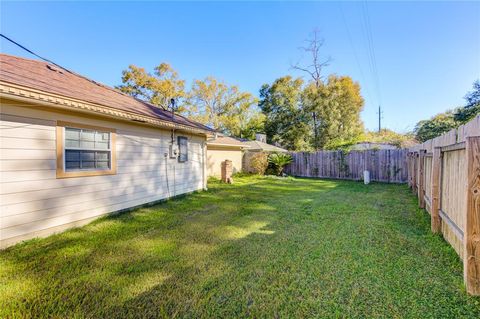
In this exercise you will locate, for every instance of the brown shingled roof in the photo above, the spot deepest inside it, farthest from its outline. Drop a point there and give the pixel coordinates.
(49, 78)
(226, 141)
(260, 146)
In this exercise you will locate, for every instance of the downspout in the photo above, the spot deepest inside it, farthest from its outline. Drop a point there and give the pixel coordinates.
(172, 142)
(204, 168)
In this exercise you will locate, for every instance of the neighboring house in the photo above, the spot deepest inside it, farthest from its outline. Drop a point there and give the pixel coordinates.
(259, 145)
(362, 146)
(72, 150)
(221, 148)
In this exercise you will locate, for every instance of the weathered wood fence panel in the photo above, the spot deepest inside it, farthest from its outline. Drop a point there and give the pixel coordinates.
(451, 189)
(384, 165)
(452, 198)
(427, 175)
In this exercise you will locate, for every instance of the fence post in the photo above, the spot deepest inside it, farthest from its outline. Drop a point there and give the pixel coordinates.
(412, 171)
(436, 189)
(415, 172)
(409, 169)
(471, 260)
(421, 183)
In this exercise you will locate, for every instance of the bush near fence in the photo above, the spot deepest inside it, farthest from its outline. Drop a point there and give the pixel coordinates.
(444, 173)
(384, 165)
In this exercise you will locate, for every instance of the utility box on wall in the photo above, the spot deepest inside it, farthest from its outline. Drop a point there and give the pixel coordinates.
(173, 150)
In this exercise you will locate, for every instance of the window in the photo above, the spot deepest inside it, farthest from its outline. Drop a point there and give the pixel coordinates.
(84, 150)
(182, 149)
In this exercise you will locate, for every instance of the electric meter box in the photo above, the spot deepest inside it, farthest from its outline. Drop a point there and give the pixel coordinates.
(173, 150)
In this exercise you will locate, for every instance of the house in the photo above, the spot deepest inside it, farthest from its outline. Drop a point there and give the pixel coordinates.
(363, 146)
(73, 150)
(259, 145)
(221, 148)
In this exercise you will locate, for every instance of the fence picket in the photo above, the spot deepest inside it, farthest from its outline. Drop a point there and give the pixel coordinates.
(384, 165)
(451, 164)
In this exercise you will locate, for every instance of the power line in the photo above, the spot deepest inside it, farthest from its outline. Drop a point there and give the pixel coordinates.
(369, 43)
(61, 67)
(367, 46)
(354, 51)
(371, 49)
(377, 79)
(33, 53)
(372, 59)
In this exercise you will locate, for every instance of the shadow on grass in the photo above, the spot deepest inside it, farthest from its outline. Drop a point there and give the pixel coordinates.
(88, 269)
(260, 248)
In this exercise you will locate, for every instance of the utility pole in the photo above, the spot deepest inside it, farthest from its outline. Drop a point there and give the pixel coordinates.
(379, 118)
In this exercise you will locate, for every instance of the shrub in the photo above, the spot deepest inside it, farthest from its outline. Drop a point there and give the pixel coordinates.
(279, 160)
(271, 170)
(259, 162)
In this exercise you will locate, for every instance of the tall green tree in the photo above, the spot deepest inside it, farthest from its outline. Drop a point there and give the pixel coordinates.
(444, 122)
(473, 97)
(337, 103)
(157, 88)
(436, 126)
(251, 122)
(472, 108)
(286, 122)
(314, 70)
(222, 107)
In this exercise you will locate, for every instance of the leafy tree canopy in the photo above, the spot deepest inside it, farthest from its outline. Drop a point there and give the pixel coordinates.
(337, 103)
(209, 101)
(286, 122)
(436, 126)
(472, 108)
(473, 97)
(157, 88)
(444, 122)
(288, 105)
(223, 107)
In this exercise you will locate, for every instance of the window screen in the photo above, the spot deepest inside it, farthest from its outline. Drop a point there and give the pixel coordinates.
(87, 149)
(182, 149)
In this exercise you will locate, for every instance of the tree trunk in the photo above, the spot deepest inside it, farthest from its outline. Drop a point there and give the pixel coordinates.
(315, 133)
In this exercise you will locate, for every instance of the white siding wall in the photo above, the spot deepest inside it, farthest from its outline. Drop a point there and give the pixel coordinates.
(33, 202)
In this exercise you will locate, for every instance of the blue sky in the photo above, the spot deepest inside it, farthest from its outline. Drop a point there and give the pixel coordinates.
(427, 54)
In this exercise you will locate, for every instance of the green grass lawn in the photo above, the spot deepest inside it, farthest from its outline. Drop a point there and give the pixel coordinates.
(263, 247)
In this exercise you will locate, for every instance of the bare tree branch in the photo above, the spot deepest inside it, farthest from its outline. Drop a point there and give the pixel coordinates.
(314, 70)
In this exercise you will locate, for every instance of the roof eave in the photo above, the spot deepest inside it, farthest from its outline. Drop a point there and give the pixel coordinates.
(227, 145)
(26, 94)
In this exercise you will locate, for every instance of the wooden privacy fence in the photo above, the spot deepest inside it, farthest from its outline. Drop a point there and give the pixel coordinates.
(445, 175)
(384, 165)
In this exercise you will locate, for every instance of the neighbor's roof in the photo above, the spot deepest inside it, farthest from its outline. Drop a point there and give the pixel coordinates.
(51, 79)
(375, 143)
(227, 141)
(260, 146)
